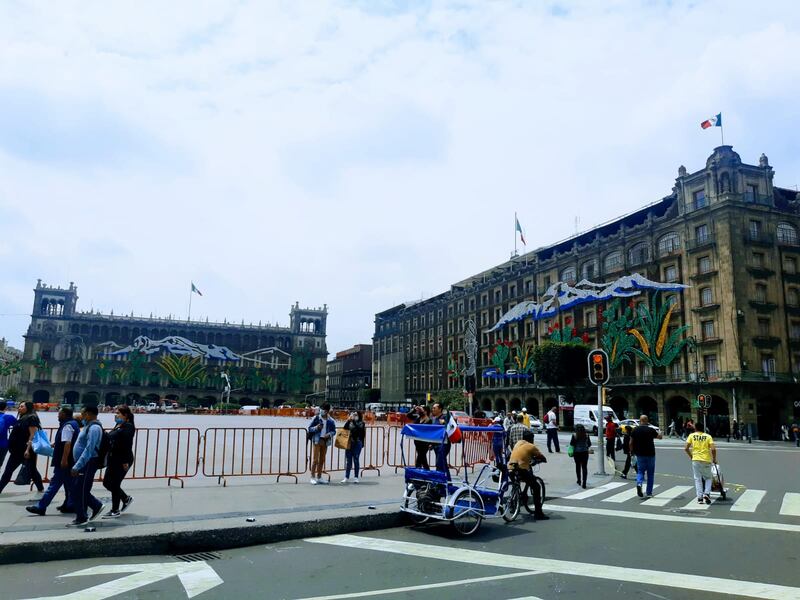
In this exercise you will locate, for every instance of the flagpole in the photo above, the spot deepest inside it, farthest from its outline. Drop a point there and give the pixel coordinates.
(190, 304)
(515, 233)
(722, 133)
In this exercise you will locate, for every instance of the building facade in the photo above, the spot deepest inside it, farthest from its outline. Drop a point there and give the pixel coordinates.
(726, 231)
(10, 367)
(350, 377)
(79, 357)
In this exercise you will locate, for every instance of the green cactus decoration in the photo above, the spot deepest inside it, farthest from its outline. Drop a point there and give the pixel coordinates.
(658, 347)
(616, 339)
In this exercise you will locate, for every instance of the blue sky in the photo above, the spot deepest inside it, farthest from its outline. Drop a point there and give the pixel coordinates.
(358, 154)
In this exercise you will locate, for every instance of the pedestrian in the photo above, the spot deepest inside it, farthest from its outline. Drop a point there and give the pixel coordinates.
(6, 423)
(86, 453)
(725, 430)
(702, 452)
(516, 432)
(784, 433)
(551, 424)
(120, 460)
(735, 430)
(523, 456)
(20, 451)
(508, 421)
(321, 431)
(672, 428)
(796, 432)
(526, 419)
(422, 448)
(439, 417)
(499, 445)
(67, 434)
(679, 427)
(358, 433)
(644, 448)
(611, 437)
(581, 442)
(626, 450)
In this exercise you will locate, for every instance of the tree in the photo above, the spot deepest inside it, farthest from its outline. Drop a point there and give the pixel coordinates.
(450, 399)
(11, 393)
(560, 364)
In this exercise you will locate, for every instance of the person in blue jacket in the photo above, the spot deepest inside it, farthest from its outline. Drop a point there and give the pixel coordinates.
(321, 430)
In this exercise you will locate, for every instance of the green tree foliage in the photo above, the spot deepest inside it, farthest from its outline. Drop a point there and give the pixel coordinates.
(11, 393)
(560, 364)
(450, 399)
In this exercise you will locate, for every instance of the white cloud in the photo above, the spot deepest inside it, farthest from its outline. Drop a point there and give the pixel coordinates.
(358, 154)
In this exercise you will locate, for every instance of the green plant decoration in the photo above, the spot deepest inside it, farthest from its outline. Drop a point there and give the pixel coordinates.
(181, 369)
(103, 371)
(137, 367)
(523, 356)
(616, 339)
(658, 347)
(10, 367)
(499, 355)
(453, 372)
(298, 377)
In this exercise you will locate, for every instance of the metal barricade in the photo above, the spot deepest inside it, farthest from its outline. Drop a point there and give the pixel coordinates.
(254, 451)
(371, 458)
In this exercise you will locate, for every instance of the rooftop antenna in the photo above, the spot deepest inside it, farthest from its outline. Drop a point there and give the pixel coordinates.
(577, 220)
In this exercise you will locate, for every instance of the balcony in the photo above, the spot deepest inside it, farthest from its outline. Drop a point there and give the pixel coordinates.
(672, 249)
(760, 271)
(636, 259)
(759, 239)
(696, 205)
(766, 341)
(704, 275)
(700, 243)
(709, 341)
(763, 305)
(705, 308)
(794, 342)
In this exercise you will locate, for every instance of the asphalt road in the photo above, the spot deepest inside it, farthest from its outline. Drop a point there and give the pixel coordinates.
(609, 544)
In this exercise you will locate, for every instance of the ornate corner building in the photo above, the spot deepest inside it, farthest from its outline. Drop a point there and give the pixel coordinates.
(10, 366)
(88, 357)
(726, 232)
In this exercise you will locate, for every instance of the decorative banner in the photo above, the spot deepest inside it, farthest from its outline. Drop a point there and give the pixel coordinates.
(179, 346)
(182, 370)
(471, 347)
(561, 296)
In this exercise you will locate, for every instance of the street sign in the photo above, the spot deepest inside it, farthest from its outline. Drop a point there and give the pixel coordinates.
(196, 577)
(598, 367)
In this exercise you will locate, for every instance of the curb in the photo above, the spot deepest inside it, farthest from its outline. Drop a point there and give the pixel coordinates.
(195, 541)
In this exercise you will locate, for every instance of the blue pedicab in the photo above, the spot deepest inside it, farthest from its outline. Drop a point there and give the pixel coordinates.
(433, 495)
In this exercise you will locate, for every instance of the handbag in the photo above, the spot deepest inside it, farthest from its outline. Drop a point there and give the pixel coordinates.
(570, 450)
(618, 447)
(342, 439)
(23, 476)
(41, 444)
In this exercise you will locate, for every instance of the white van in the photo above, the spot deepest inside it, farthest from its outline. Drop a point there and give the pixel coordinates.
(586, 415)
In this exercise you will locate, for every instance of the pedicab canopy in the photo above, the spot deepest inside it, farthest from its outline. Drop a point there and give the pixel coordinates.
(437, 434)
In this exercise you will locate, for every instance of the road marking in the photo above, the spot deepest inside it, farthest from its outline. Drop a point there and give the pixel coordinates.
(426, 586)
(629, 514)
(667, 496)
(748, 501)
(196, 577)
(790, 505)
(683, 581)
(624, 496)
(595, 491)
(695, 505)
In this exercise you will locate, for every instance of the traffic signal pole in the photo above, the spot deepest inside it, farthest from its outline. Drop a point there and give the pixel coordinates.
(601, 455)
(599, 373)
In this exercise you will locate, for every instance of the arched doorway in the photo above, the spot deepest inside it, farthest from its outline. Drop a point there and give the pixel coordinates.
(208, 401)
(620, 407)
(192, 401)
(133, 399)
(678, 409)
(499, 404)
(41, 397)
(264, 403)
(516, 404)
(646, 405)
(72, 398)
(486, 403)
(718, 417)
(532, 404)
(91, 399)
(768, 418)
(113, 399)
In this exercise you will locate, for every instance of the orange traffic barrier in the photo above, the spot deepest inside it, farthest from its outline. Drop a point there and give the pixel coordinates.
(371, 458)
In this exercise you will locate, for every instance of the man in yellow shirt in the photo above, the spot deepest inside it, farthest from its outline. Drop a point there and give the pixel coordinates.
(701, 449)
(523, 456)
(526, 419)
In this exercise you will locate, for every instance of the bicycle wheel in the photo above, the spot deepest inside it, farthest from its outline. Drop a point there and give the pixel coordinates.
(528, 497)
(467, 512)
(511, 504)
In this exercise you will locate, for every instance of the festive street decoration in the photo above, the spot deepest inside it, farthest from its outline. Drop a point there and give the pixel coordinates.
(561, 296)
(524, 358)
(616, 339)
(658, 347)
(174, 344)
(567, 334)
(10, 366)
(181, 370)
(453, 371)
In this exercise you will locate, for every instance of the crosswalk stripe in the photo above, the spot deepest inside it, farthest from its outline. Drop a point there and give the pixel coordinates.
(748, 501)
(695, 505)
(791, 504)
(595, 491)
(624, 496)
(667, 496)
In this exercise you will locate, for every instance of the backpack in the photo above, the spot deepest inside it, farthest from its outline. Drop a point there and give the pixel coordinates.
(546, 418)
(104, 447)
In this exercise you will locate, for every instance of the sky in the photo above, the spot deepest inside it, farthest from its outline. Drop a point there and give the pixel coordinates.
(355, 153)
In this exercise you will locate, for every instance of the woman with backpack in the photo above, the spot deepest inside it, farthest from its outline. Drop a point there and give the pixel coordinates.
(580, 442)
(120, 460)
(20, 451)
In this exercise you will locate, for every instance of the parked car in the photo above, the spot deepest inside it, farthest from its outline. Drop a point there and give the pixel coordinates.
(635, 423)
(154, 407)
(536, 425)
(461, 417)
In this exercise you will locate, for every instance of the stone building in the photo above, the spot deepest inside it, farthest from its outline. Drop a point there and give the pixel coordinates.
(726, 231)
(81, 357)
(9, 375)
(350, 377)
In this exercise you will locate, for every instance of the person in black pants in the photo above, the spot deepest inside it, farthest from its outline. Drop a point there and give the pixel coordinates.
(120, 460)
(63, 460)
(581, 442)
(19, 446)
(626, 450)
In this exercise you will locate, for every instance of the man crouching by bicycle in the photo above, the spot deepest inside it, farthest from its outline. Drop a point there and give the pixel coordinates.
(523, 456)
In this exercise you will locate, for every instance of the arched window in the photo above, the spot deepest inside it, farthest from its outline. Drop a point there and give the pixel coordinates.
(568, 275)
(589, 269)
(787, 233)
(638, 254)
(669, 243)
(613, 262)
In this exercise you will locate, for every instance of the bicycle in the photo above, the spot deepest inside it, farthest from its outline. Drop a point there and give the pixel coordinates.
(525, 496)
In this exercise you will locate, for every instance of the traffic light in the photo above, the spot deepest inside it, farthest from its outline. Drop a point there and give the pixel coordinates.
(704, 400)
(598, 367)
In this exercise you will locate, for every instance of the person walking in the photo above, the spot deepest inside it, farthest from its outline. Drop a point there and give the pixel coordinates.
(20, 441)
(672, 428)
(784, 433)
(516, 432)
(626, 450)
(702, 452)
(581, 442)
(508, 422)
(421, 448)
(551, 425)
(358, 433)
(499, 446)
(796, 433)
(68, 430)
(611, 437)
(6, 423)
(643, 446)
(322, 431)
(735, 430)
(86, 453)
(120, 460)
(526, 419)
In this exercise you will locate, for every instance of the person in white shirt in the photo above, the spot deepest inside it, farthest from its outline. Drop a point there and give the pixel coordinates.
(551, 424)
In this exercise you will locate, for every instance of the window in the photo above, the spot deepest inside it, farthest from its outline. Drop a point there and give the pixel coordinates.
(761, 293)
(750, 193)
(763, 327)
(671, 273)
(498, 296)
(755, 230)
(703, 264)
(710, 365)
(789, 264)
(512, 290)
(589, 269)
(568, 275)
(708, 330)
(792, 297)
(706, 296)
(701, 234)
(591, 318)
(767, 365)
(672, 299)
(794, 330)
(758, 260)
(546, 281)
(638, 254)
(787, 234)
(613, 262)
(668, 244)
(699, 198)
(529, 286)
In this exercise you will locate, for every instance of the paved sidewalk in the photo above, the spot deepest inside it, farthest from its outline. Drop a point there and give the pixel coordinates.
(205, 517)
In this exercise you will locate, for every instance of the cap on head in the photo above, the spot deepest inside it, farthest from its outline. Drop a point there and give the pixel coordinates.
(524, 410)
